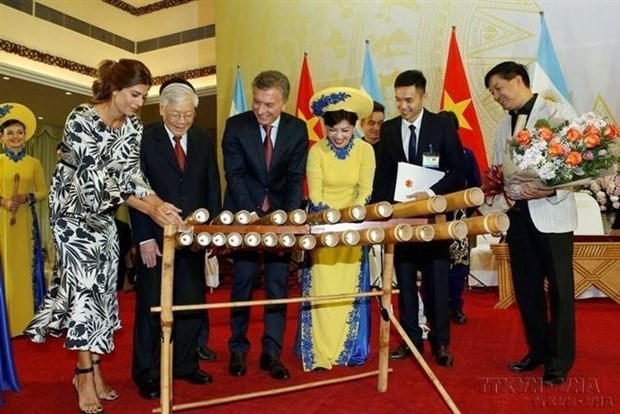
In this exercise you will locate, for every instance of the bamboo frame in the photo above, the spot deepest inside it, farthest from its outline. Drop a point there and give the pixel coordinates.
(419, 227)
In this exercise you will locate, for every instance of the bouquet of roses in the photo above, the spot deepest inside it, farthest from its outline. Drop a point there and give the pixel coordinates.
(555, 157)
(566, 154)
(606, 191)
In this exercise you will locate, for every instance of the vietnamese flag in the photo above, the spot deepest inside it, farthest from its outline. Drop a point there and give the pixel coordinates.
(457, 98)
(305, 92)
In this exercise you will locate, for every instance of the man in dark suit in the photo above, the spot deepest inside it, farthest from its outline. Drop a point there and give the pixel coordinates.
(255, 186)
(179, 161)
(426, 139)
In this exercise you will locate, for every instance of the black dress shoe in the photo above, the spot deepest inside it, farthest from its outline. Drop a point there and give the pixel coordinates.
(553, 377)
(206, 354)
(198, 377)
(271, 362)
(459, 317)
(443, 356)
(237, 366)
(149, 389)
(526, 364)
(402, 351)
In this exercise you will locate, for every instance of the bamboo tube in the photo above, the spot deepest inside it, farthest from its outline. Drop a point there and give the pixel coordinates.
(234, 240)
(273, 391)
(199, 216)
(491, 223)
(384, 322)
(416, 208)
(306, 242)
(379, 211)
(286, 240)
(277, 218)
(423, 233)
(350, 237)
(328, 239)
(242, 217)
(166, 316)
(218, 239)
(372, 235)
(328, 216)
(225, 217)
(297, 217)
(269, 239)
(431, 375)
(398, 234)
(185, 238)
(471, 197)
(251, 239)
(352, 214)
(203, 239)
(448, 230)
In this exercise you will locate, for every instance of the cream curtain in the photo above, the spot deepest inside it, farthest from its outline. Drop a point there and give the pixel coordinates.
(43, 147)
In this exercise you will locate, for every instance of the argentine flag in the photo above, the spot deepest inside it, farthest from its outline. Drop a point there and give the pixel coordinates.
(547, 79)
(370, 83)
(238, 104)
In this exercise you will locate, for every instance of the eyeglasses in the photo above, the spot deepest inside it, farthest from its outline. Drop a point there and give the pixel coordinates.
(175, 116)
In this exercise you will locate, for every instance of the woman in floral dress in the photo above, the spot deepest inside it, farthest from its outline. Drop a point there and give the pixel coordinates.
(98, 170)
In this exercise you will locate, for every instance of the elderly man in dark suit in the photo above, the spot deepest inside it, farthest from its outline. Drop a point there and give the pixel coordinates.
(179, 161)
(265, 154)
(426, 139)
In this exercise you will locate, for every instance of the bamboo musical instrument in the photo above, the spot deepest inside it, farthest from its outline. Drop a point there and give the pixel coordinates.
(352, 214)
(225, 217)
(251, 239)
(276, 217)
(423, 233)
(327, 216)
(450, 230)
(350, 237)
(372, 235)
(218, 239)
(202, 239)
(416, 208)
(328, 239)
(185, 238)
(200, 216)
(242, 217)
(491, 223)
(269, 239)
(306, 242)
(379, 211)
(16, 179)
(471, 197)
(234, 240)
(398, 234)
(297, 217)
(286, 240)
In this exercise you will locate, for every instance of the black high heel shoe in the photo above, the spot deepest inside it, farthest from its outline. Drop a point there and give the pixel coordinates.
(83, 371)
(110, 395)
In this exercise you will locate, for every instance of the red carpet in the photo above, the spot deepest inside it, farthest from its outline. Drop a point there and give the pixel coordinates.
(478, 383)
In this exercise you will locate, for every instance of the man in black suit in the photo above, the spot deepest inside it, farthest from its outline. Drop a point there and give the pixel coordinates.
(254, 186)
(179, 161)
(426, 139)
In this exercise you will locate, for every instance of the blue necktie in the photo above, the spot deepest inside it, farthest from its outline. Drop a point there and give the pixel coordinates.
(412, 144)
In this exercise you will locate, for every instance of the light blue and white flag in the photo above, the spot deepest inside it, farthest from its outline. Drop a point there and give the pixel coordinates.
(238, 104)
(547, 79)
(370, 82)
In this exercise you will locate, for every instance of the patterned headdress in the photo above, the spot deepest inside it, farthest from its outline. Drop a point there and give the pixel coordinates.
(341, 97)
(11, 110)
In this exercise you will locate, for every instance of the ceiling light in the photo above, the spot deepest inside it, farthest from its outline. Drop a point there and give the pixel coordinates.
(6, 78)
(39, 118)
(68, 93)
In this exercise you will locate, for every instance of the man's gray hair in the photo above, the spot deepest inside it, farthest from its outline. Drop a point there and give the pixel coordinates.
(177, 92)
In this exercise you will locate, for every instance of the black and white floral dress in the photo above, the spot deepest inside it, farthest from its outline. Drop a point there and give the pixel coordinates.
(99, 167)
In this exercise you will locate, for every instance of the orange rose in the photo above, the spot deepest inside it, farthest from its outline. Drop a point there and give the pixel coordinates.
(611, 131)
(545, 133)
(409, 183)
(573, 134)
(556, 149)
(592, 141)
(573, 158)
(524, 137)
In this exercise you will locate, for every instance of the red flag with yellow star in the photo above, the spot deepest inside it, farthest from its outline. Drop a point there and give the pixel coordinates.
(457, 98)
(305, 92)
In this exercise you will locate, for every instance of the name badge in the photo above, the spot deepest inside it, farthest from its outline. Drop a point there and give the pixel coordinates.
(430, 159)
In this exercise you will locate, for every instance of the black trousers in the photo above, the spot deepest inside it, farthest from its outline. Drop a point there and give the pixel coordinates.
(189, 288)
(433, 261)
(246, 270)
(548, 317)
